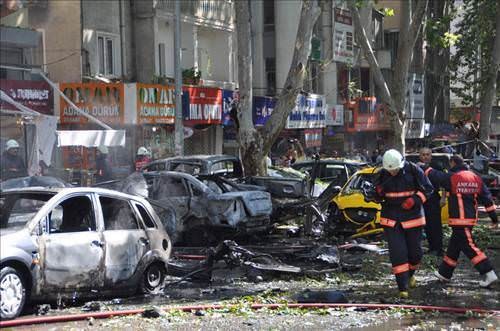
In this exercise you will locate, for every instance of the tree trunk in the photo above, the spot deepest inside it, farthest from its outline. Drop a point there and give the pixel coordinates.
(394, 98)
(249, 139)
(490, 88)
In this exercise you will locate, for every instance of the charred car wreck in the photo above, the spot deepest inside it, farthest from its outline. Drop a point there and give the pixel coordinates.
(207, 208)
(58, 243)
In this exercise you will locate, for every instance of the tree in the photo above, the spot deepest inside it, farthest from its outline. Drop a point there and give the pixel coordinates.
(255, 145)
(393, 96)
(475, 64)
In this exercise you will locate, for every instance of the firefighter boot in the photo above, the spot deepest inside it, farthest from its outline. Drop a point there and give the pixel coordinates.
(403, 294)
(489, 278)
(412, 283)
(441, 277)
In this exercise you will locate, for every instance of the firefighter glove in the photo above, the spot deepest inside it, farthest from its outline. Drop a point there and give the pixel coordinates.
(408, 203)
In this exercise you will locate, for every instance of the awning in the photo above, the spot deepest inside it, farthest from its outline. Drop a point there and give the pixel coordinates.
(91, 138)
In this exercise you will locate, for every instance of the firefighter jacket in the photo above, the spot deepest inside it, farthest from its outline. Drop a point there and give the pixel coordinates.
(434, 198)
(393, 191)
(465, 189)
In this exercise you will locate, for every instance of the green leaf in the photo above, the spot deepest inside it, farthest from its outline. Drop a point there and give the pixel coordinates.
(388, 11)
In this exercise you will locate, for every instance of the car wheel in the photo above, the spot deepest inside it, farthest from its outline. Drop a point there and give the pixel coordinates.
(12, 293)
(154, 278)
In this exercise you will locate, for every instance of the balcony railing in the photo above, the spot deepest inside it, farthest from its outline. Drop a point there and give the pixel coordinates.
(217, 11)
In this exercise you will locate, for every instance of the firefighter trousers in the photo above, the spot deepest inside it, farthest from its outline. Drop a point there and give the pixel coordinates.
(461, 241)
(433, 227)
(405, 252)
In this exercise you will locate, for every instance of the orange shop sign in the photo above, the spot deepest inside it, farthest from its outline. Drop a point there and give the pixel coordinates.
(155, 103)
(100, 100)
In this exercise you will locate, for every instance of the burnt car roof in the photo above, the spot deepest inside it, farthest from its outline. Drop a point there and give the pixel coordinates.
(198, 158)
(331, 161)
(66, 190)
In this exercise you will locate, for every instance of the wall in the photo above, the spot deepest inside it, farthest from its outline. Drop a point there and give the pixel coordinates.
(214, 54)
(101, 16)
(60, 25)
(286, 22)
(165, 34)
(391, 22)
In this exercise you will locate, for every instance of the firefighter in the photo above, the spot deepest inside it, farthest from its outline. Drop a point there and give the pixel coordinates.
(142, 158)
(465, 189)
(402, 189)
(432, 207)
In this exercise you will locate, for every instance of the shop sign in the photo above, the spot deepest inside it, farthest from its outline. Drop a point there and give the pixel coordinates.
(313, 137)
(262, 109)
(202, 105)
(228, 99)
(35, 95)
(415, 128)
(343, 36)
(155, 104)
(335, 115)
(100, 100)
(309, 112)
(415, 96)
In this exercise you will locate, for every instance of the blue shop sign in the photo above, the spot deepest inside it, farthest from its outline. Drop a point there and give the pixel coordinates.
(309, 112)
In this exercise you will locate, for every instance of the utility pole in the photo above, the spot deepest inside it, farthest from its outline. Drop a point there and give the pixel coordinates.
(179, 126)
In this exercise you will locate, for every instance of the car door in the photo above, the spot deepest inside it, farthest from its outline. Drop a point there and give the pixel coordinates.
(173, 189)
(125, 240)
(71, 252)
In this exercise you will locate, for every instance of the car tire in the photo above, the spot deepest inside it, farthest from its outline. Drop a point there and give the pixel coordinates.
(153, 280)
(12, 293)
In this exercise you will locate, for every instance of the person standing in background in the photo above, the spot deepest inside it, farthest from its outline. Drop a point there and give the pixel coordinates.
(12, 165)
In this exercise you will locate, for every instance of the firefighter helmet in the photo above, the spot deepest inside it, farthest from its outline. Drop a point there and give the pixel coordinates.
(392, 160)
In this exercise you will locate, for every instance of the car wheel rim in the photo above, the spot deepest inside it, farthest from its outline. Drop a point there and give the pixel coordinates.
(154, 276)
(11, 293)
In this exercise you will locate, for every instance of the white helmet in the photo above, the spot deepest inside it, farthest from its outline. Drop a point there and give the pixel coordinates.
(142, 151)
(103, 149)
(11, 144)
(392, 160)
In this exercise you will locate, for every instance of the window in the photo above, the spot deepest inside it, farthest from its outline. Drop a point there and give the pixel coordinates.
(107, 54)
(161, 59)
(145, 216)
(271, 75)
(268, 16)
(223, 168)
(118, 214)
(74, 214)
(168, 187)
(16, 210)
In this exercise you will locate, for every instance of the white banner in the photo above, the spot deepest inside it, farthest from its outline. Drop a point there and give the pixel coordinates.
(335, 115)
(343, 36)
(309, 112)
(91, 138)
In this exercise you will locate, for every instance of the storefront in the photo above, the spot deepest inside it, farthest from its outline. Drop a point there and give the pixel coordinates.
(366, 124)
(20, 126)
(106, 103)
(202, 112)
(155, 119)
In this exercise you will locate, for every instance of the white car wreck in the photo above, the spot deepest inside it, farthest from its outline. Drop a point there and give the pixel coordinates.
(56, 243)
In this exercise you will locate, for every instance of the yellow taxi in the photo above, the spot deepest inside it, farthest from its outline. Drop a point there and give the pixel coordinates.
(350, 214)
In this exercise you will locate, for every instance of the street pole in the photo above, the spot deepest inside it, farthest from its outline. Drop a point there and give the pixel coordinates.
(179, 127)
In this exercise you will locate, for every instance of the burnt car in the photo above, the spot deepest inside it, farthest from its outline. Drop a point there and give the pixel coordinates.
(207, 208)
(330, 170)
(230, 167)
(67, 242)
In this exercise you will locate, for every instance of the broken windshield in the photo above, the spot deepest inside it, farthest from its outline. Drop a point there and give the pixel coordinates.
(16, 210)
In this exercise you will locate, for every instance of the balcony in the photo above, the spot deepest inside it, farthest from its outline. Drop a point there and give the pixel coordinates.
(216, 13)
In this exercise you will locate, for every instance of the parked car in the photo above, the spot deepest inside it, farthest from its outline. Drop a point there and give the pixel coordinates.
(350, 214)
(230, 167)
(208, 207)
(56, 243)
(330, 170)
